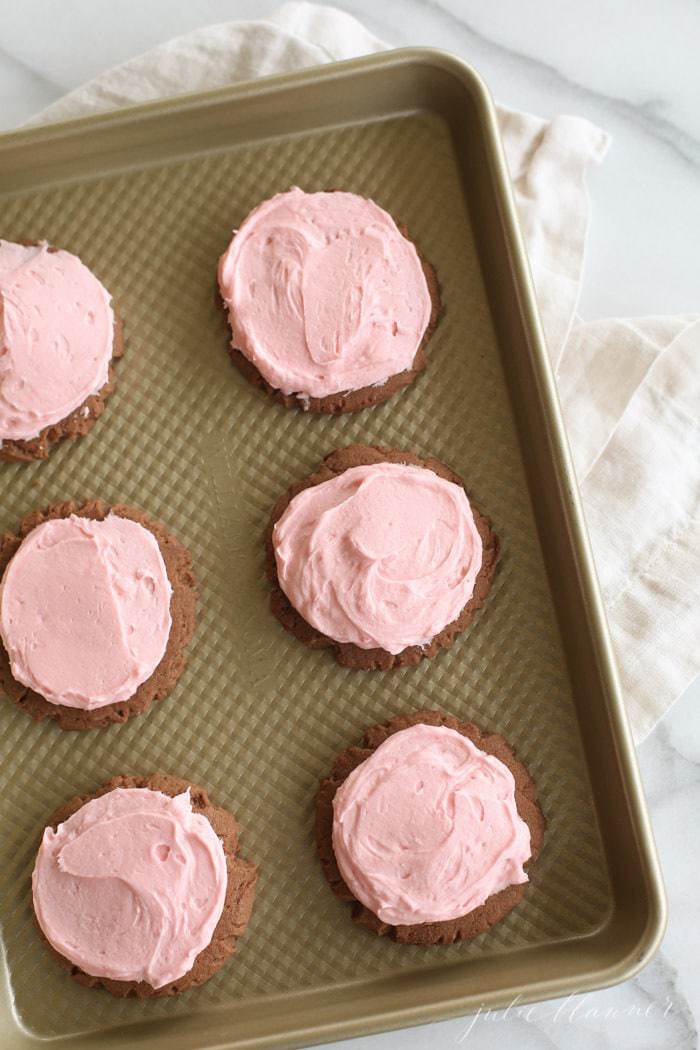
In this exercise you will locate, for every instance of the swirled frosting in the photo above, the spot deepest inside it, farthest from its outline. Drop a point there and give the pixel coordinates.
(56, 337)
(131, 887)
(324, 293)
(85, 610)
(383, 556)
(427, 828)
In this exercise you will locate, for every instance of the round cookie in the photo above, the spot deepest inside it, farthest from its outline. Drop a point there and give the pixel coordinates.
(347, 653)
(238, 904)
(351, 400)
(81, 419)
(178, 564)
(496, 906)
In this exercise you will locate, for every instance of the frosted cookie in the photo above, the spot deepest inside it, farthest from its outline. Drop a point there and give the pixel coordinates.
(58, 340)
(380, 556)
(329, 302)
(428, 829)
(138, 888)
(97, 607)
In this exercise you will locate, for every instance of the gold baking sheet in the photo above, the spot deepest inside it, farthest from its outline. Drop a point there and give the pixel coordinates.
(148, 200)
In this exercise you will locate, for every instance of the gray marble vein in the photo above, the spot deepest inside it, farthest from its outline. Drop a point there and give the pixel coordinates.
(647, 115)
(10, 62)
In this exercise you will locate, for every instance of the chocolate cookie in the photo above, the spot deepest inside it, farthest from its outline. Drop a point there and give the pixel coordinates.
(498, 905)
(240, 890)
(79, 423)
(178, 564)
(353, 400)
(348, 654)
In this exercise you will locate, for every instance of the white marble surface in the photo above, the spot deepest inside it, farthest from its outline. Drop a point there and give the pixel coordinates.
(632, 67)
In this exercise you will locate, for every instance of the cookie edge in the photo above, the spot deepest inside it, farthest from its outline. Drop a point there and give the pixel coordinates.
(347, 653)
(77, 424)
(498, 905)
(178, 563)
(242, 878)
(365, 397)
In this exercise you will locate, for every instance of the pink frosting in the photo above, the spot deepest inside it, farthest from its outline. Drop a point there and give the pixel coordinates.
(85, 610)
(383, 556)
(131, 886)
(56, 337)
(324, 293)
(427, 827)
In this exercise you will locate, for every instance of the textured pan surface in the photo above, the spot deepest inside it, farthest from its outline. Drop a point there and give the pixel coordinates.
(257, 717)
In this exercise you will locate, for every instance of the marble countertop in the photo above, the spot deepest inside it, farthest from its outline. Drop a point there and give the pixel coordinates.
(632, 67)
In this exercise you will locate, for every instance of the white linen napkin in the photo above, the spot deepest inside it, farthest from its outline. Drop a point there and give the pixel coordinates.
(630, 389)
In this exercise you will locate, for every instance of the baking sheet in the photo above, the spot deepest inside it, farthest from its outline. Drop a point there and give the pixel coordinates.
(257, 717)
